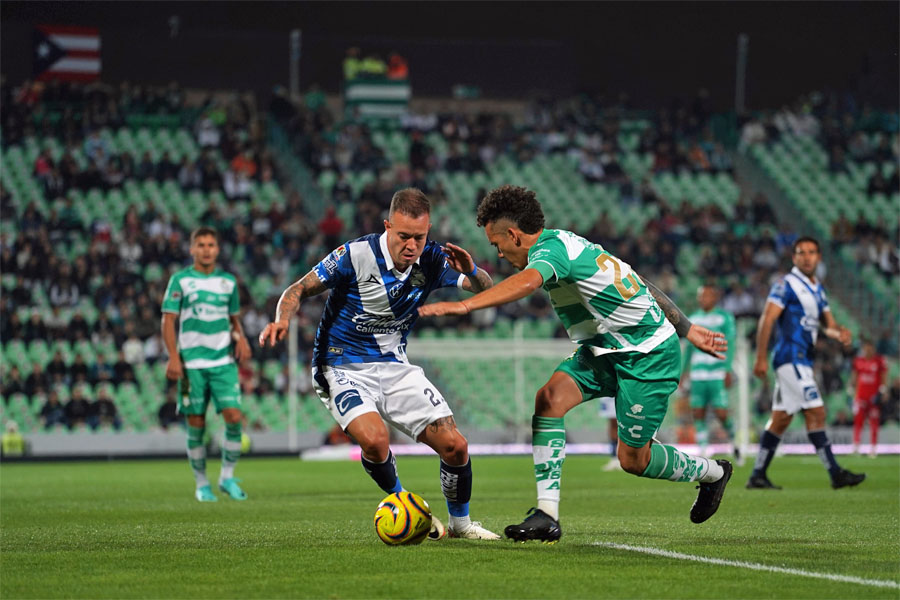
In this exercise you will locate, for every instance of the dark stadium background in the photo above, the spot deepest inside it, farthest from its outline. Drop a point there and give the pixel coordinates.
(653, 50)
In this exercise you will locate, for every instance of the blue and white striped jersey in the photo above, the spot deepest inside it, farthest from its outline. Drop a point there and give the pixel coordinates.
(372, 306)
(797, 327)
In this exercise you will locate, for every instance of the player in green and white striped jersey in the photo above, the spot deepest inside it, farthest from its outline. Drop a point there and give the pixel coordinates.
(710, 376)
(625, 329)
(205, 301)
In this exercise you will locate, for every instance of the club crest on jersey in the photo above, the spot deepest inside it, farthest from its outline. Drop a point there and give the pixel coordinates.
(396, 289)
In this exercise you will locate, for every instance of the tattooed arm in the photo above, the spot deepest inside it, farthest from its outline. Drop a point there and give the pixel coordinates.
(480, 282)
(677, 318)
(310, 285)
(711, 342)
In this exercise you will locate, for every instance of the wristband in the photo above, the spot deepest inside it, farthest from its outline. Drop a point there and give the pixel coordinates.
(474, 271)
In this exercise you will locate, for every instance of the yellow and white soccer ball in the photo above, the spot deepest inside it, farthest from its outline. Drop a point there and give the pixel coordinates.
(403, 518)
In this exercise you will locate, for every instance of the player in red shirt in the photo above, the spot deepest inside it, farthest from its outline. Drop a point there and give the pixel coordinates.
(868, 377)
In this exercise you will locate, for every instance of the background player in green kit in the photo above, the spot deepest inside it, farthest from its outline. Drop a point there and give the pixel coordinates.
(710, 376)
(627, 349)
(204, 299)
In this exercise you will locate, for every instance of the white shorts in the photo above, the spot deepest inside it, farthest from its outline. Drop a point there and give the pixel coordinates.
(795, 389)
(607, 407)
(399, 392)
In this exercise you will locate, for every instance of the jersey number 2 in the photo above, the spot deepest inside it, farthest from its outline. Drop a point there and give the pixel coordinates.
(627, 288)
(431, 397)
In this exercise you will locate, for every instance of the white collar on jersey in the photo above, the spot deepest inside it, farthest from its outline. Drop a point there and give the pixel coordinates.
(389, 262)
(812, 284)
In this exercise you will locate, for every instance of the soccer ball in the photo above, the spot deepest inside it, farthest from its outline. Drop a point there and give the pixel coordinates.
(403, 518)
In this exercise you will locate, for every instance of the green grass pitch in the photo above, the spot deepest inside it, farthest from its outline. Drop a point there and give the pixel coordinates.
(128, 529)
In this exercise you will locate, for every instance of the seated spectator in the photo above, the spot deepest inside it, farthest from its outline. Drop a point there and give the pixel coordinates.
(208, 135)
(37, 380)
(168, 411)
(103, 411)
(123, 371)
(77, 408)
(78, 328)
(591, 168)
(57, 369)
(63, 291)
(145, 169)
(153, 348)
(53, 412)
(101, 371)
(165, 168)
(133, 348)
(79, 371)
(189, 176)
(331, 226)
(12, 383)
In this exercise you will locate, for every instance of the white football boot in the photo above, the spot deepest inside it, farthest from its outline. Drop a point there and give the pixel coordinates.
(474, 532)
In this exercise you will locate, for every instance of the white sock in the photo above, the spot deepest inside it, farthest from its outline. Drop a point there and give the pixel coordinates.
(460, 523)
(227, 471)
(551, 507)
(713, 473)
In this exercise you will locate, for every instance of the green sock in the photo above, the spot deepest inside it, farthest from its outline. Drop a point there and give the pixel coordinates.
(549, 451)
(231, 449)
(197, 454)
(668, 462)
(702, 432)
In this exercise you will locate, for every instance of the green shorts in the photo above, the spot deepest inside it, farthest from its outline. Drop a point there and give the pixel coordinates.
(640, 383)
(219, 384)
(709, 393)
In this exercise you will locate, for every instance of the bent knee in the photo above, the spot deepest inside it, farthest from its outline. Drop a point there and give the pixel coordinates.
(632, 460)
(374, 443)
(550, 402)
(453, 448)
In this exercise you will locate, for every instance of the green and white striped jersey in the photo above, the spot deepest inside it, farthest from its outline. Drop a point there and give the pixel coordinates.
(600, 300)
(203, 304)
(703, 366)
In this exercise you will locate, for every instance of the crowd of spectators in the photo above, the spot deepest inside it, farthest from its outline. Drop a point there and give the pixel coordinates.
(46, 298)
(226, 129)
(847, 133)
(741, 252)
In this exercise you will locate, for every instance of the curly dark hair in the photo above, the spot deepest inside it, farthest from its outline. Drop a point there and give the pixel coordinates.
(517, 204)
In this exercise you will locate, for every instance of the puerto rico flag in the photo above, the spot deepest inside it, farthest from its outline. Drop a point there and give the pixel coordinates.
(66, 52)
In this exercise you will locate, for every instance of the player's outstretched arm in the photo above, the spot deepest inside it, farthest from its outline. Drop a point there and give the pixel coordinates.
(513, 288)
(477, 280)
(711, 342)
(310, 285)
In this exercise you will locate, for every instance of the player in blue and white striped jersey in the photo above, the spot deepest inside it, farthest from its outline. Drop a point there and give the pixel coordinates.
(795, 308)
(360, 369)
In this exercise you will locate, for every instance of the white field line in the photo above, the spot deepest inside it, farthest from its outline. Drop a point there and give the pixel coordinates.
(752, 566)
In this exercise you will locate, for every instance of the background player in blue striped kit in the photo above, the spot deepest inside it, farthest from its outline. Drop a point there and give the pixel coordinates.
(795, 309)
(360, 369)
